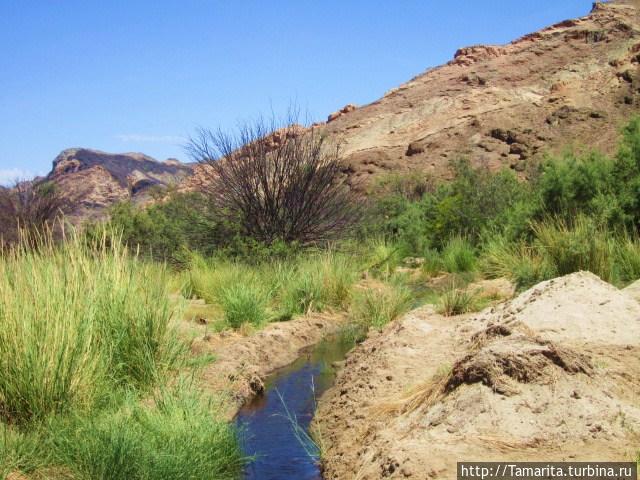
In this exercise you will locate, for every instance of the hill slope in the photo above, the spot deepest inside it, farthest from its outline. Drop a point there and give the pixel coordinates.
(576, 81)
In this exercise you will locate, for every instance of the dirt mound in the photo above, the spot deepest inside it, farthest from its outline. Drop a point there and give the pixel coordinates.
(551, 375)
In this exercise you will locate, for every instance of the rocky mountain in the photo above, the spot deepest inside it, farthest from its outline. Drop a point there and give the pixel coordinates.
(93, 180)
(573, 83)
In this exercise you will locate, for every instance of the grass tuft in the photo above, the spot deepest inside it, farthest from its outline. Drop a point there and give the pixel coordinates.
(180, 436)
(459, 256)
(375, 307)
(243, 303)
(456, 301)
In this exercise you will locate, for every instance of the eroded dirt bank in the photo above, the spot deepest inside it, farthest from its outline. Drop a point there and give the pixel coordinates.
(243, 362)
(553, 374)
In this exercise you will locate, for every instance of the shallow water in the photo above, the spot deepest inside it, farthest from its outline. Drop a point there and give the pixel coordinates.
(267, 423)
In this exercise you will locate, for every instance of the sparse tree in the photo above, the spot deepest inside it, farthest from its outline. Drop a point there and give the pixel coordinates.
(283, 184)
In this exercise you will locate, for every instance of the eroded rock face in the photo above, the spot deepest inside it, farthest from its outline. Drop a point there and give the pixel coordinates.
(575, 82)
(94, 180)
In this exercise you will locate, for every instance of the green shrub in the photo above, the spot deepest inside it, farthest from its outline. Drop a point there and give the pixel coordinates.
(168, 230)
(571, 185)
(458, 256)
(77, 322)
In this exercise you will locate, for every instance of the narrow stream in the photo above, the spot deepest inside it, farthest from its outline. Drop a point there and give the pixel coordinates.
(275, 425)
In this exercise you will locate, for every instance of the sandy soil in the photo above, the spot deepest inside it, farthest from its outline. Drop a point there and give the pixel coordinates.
(553, 374)
(242, 362)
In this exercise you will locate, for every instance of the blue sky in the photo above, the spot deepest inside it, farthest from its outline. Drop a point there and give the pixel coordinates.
(139, 75)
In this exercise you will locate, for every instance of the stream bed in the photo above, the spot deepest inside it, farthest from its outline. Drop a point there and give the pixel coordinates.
(275, 426)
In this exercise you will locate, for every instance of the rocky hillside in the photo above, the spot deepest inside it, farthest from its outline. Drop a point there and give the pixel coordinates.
(574, 83)
(93, 180)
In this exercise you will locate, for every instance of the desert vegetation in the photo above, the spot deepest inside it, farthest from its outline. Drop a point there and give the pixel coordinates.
(94, 372)
(29, 207)
(87, 335)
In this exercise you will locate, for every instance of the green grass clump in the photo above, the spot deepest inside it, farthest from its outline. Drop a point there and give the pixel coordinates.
(210, 277)
(627, 259)
(457, 301)
(21, 451)
(432, 264)
(78, 321)
(459, 256)
(180, 436)
(382, 256)
(517, 261)
(375, 307)
(582, 245)
(321, 282)
(243, 303)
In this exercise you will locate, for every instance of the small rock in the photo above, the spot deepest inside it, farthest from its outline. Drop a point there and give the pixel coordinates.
(414, 148)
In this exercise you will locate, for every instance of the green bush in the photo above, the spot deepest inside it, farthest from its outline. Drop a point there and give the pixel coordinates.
(169, 229)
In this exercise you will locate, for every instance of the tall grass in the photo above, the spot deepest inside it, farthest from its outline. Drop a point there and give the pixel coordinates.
(317, 283)
(78, 321)
(456, 301)
(560, 247)
(21, 452)
(375, 307)
(518, 261)
(243, 303)
(180, 436)
(627, 259)
(458, 256)
(582, 245)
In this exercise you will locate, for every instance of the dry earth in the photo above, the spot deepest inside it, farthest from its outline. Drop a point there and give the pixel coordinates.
(242, 362)
(553, 374)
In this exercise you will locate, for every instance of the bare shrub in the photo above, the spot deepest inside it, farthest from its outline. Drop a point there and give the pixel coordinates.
(279, 184)
(30, 207)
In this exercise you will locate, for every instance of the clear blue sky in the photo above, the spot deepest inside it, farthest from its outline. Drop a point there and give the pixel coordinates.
(134, 75)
